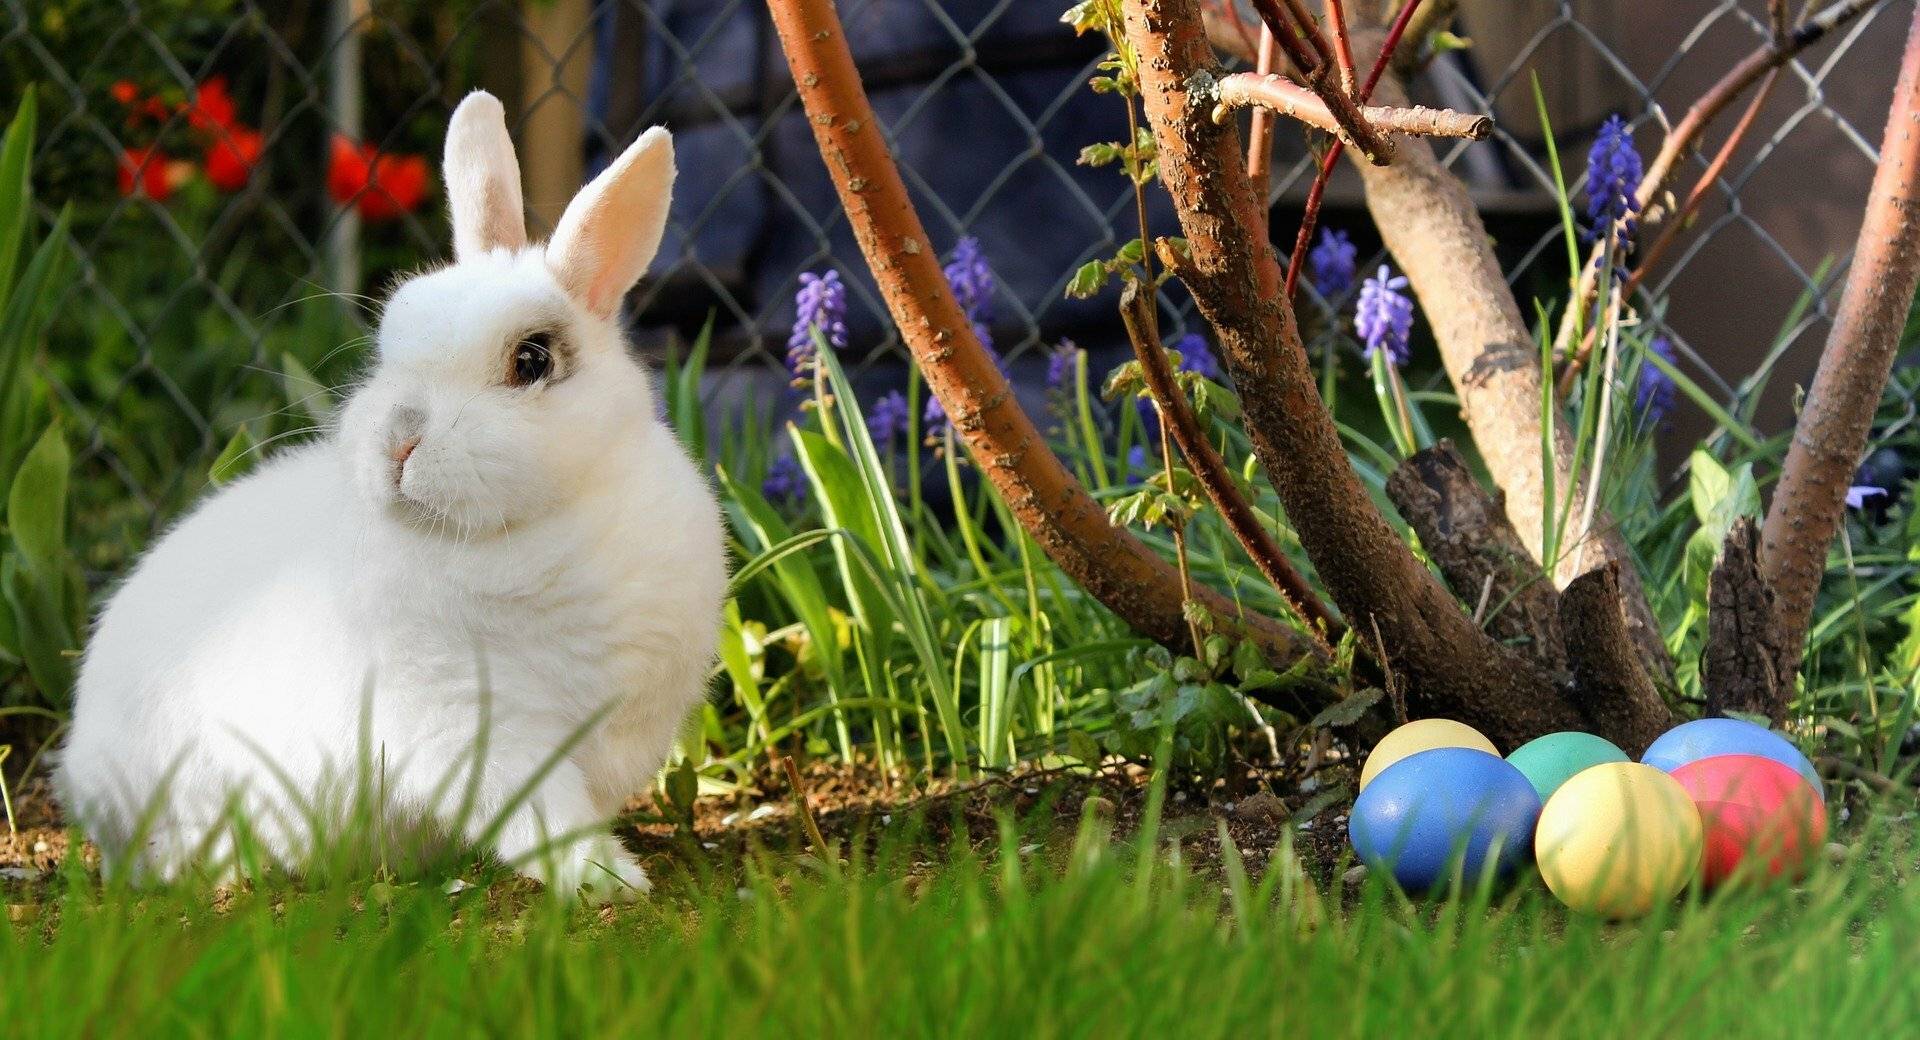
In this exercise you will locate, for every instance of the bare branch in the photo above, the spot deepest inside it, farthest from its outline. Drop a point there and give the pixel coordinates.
(1609, 686)
(1211, 471)
(1306, 56)
(1243, 89)
(1042, 494)
(1452, 667)
(1831, 433)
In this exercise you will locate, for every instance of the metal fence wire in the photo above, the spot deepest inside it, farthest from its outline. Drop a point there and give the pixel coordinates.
(201, 292)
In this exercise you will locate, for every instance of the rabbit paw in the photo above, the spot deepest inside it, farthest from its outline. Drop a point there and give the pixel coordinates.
(596, 872)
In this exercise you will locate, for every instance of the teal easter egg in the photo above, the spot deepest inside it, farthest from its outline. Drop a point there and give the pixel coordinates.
(1552, 760)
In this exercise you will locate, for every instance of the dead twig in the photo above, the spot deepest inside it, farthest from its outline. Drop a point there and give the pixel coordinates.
(1282, 95)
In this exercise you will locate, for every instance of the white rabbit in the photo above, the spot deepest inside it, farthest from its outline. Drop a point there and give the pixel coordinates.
(500, 524)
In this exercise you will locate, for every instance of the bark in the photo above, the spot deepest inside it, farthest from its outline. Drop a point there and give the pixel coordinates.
(1451, 667)
(1831, 434)
(1210, 470)
(1609, 686)
(1745, 665)
(1111, 565)
(1243, 89)
(1431, 226)
(1466, 533)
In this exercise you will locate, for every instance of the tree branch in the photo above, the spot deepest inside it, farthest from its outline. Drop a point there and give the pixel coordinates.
(1308, 52)
(1244, 89)
(1431, 226)
(1771, 55)
(1210, 470)
(1452, 667)
(1609, 686)
(1465, 531)
(1119, 571)
(1744, 666)
(1831, 433)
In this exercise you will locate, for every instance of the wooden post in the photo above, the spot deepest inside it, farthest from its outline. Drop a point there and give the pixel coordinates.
(555, 56)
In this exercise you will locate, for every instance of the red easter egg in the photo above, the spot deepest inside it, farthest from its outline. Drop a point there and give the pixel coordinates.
(1752, 807)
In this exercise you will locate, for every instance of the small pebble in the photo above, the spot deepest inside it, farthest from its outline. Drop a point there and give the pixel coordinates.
(41, 846)
(1310, 785)
(709, 844)
(1028, 850)
(1098, 806)
(745, 895)
(1261, 807)
(1836, 853)
(762, 812)
(1355, 875)
(456, 886)
(730, 819)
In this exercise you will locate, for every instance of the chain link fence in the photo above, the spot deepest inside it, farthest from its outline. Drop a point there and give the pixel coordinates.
(211, 300)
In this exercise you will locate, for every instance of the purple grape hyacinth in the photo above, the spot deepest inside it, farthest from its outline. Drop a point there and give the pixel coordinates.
(1384, 316)
(888, 418)
(1062, 362)
(820, 304)
(785, 484)
(1654, 394)
(933, 420)
(973, 285)
(1197, 357)
(1613, 179)
(1331, 263)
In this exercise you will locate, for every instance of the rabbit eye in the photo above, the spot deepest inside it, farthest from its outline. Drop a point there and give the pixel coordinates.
(532, 359)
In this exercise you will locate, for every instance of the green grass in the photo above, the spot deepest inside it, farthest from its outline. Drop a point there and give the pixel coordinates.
(1050, 934)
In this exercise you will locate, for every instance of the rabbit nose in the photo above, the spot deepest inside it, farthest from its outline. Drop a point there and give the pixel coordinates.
(400, 452)
(403, 435)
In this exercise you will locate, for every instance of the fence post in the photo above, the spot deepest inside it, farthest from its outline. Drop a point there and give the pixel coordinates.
(554, 63)
(345, 110)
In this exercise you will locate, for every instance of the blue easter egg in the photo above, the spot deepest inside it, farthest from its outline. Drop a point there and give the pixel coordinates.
(1431, 810)
(1706, 738)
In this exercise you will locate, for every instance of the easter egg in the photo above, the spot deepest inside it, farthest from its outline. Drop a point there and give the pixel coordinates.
(1755, 810)
(1442, 808)
(1421, 735)
(1705, 738)
(1618, 839)
(1551, 760)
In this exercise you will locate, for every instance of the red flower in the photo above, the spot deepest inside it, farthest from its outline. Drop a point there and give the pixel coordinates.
(146, 171)
(126, 91)
(212, 106)
(232, 155)
(381, 187)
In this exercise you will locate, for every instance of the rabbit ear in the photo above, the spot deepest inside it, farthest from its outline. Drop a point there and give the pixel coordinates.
(612, 229)
(483, 179)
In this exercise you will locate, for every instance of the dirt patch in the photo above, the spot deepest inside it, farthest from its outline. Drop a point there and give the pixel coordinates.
(862, 811)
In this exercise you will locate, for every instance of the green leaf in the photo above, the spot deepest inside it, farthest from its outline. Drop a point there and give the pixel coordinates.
(235, 459)
(305, 392)
(1348, 711)
(1707, 483)
(43, 634)
(16, 188)
(1087, 280)
(37, 508)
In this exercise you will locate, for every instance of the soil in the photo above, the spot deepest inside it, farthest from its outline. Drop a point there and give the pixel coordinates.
(860, 811)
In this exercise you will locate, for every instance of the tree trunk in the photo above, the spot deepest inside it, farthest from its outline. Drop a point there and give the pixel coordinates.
(1831, 435)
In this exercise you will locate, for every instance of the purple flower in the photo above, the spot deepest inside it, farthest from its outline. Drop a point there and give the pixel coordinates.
(785, 483)
(1858, 495)
(1384, 316)
(933, 420)
(1330, 263)
(1138, 464)
(1613, 179)
(888, 418)
(973, 285)
(820, 304)
(1062, 363)
(1654, 394)
(1197, 357)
